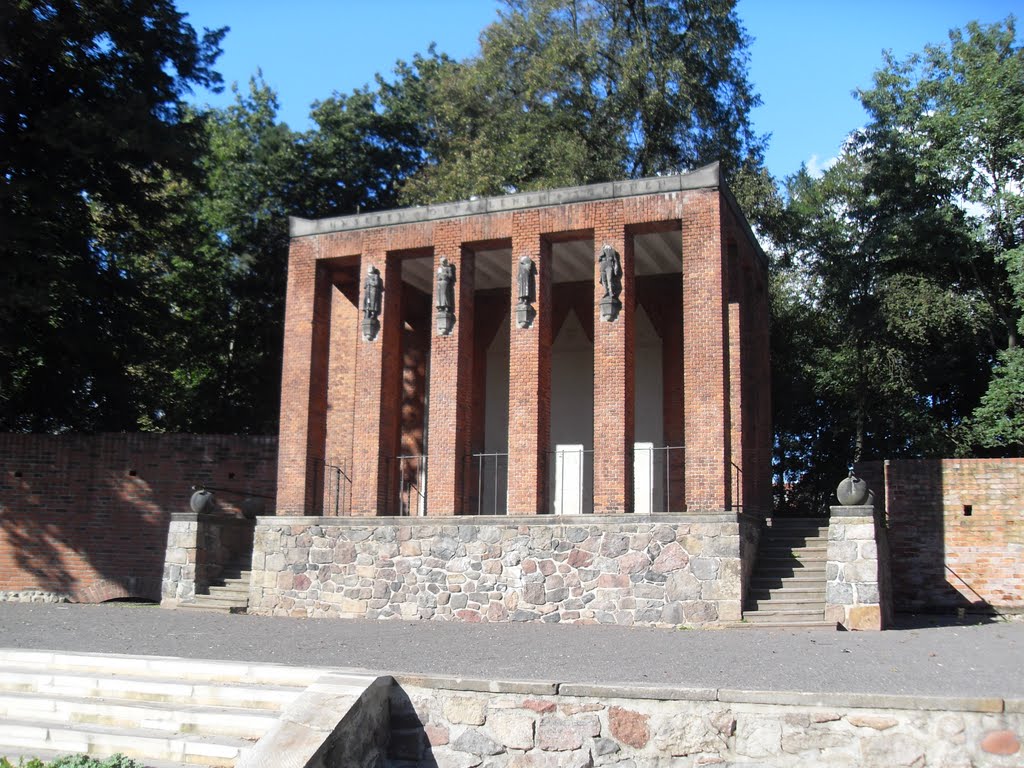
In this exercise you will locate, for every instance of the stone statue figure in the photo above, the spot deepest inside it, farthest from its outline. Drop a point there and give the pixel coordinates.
(524, 280)
(373, 287)
(446, 286)
(611, 272)
(525, 291)
(611, 280)
(372, 290)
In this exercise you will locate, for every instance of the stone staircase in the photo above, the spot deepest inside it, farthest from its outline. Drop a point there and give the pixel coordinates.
(787, 588)
(228, 594)
(163, 712)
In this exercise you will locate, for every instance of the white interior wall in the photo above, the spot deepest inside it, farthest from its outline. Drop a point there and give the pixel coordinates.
(572, 402)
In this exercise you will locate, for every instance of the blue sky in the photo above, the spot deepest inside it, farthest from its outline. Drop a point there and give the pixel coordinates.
(807, 58)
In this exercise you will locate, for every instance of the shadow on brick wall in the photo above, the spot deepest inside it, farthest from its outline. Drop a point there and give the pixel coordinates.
(915, 495)
(85, 517)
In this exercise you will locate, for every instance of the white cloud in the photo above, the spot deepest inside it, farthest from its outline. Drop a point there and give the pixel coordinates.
(817, 168)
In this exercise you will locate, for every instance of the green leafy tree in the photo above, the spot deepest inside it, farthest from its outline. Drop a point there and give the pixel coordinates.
(948, 127)
(580, 91)
(93, 127)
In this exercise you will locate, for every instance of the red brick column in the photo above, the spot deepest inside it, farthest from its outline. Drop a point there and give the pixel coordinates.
(614, 378)
(303, 379)
(673, 382)
(761, 374)
(529, 418)
(449, 429)
(376, 417)
(705, 355)
(345, 317)
(737, 363)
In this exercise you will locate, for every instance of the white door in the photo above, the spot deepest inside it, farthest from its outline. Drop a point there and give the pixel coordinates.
(568, 479)
(643, 477)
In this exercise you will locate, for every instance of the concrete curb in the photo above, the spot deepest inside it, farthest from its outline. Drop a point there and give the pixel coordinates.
(837, 699)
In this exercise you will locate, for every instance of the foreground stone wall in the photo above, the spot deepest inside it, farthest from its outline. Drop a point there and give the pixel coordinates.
(653, 570)
(465, 723)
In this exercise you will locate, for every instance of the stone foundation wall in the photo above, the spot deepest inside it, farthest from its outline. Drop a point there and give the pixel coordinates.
(439, 722)
(658, 570)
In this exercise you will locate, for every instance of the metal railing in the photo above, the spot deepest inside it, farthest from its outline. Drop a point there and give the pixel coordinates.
(330, 488)
(737, 479)
(487, 475)
(412, 484)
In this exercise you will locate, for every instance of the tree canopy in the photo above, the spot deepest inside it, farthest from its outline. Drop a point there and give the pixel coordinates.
(93, 130)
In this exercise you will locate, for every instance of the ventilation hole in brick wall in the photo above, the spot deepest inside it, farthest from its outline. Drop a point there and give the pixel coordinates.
(968, 510)
(17, 473)
(132, 473)
(231, 475)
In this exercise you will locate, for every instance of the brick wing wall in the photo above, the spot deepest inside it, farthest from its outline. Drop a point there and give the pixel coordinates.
(86, 516)
(956, 532)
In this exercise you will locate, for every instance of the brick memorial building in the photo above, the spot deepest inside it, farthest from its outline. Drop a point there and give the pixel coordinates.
(541, 406)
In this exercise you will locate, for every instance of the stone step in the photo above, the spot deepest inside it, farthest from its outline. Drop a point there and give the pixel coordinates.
(223, 603)
(241, 579)
(817, 605)
(165, 712)
(785, 615)
(160, 667)
(789, 596)
(232, 591)
(69, 684)
(128, 714)
(814, 545)
(791, 558)
(103, 741)
(781, 624)
(811, 572)
(790, 562)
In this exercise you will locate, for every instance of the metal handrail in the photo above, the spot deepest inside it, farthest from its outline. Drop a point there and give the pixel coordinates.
(737, 497)
(332, 485)
(406, 488)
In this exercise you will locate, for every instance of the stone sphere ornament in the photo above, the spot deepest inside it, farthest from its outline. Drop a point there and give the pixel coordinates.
(854, 492)
(201, 501)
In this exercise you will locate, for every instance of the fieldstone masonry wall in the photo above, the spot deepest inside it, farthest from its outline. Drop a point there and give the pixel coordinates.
(514, 725)
(857, 591)
(658, 570)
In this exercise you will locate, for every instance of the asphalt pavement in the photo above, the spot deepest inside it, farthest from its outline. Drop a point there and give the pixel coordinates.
(923, 656)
